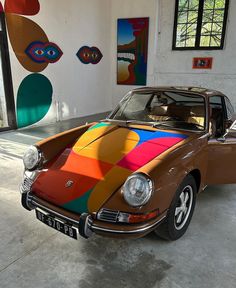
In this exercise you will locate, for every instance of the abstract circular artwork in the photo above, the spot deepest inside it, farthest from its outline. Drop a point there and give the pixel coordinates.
(34, 99)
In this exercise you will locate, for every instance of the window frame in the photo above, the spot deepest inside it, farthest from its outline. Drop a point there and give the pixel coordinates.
(199, 27)
(7, 77)
(228, 107)
(224, 112)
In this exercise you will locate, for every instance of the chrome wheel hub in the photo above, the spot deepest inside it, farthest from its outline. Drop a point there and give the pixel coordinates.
(183, 208)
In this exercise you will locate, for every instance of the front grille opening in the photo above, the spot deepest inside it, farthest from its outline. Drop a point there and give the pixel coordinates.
(27, 184)
(108, 215)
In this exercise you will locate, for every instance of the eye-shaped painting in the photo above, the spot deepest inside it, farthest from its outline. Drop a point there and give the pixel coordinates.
(89, 55)
(132, 51)
(43, 52)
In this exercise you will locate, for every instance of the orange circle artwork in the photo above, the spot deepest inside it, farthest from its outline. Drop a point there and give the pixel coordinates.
(23, 31)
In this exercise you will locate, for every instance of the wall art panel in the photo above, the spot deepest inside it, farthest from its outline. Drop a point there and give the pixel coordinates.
(34, 99)
(132, 51)
(23, 7)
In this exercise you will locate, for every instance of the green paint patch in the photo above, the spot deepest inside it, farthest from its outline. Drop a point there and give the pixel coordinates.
(34, 99)
(99, 125)
(79, 205)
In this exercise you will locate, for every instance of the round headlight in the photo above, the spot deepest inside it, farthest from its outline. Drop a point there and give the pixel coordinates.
(137, 190)
(31, 158)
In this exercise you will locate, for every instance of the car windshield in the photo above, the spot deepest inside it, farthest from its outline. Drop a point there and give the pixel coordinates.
(181, 110)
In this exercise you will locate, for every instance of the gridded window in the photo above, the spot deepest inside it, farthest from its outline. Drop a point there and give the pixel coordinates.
(200, 24)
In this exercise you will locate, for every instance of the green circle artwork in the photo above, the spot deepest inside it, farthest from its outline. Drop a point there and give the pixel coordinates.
(34, 99)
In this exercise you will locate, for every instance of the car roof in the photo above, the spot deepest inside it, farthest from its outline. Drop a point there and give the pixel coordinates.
(205, 92)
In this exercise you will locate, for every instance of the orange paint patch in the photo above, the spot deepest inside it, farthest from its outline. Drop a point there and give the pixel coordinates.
(81, 165)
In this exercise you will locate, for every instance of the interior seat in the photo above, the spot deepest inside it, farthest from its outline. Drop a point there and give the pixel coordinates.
(178, 111)
(197, 115)
(159, 113)
(216, 122)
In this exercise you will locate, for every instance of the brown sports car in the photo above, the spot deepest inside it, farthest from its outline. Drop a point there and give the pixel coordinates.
(137, 171)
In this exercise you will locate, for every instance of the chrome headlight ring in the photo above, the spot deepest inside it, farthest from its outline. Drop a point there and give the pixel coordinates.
(32, 158)
(137, 189)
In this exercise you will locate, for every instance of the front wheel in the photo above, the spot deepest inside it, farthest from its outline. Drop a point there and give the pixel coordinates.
(180, 212)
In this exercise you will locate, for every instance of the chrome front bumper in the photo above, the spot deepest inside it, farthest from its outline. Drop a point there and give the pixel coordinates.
(86, 224)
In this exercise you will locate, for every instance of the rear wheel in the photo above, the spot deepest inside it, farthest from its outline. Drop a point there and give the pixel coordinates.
(180, 212)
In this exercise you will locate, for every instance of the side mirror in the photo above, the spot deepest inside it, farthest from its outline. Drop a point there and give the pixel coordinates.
(233, 126)
(231, 131)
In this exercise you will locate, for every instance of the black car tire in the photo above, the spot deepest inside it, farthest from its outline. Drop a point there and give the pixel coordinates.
(176, 225)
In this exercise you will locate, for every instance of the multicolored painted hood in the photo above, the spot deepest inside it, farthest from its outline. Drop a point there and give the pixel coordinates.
(98, 164)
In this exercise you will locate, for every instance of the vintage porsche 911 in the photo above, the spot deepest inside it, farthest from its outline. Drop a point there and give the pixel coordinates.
(137, 171)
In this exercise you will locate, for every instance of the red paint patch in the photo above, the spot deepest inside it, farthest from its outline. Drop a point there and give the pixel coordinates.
(23, 7)
(84, 172)
(1, 8)
(146, 152)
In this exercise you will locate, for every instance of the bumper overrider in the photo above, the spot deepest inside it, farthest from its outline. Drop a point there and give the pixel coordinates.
(87, 224)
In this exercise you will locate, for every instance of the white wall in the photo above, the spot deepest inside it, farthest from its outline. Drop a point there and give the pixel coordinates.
(78, 89)
(175, 67)
(167, 67)
(87, 89)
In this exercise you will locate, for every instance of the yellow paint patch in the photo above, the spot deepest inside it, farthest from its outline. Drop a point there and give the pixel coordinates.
(90, 136)
(106, 187)
(112, 147)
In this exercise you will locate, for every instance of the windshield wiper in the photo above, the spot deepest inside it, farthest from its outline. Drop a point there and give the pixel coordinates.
(135, 122)
(113, 120)
(164, 123)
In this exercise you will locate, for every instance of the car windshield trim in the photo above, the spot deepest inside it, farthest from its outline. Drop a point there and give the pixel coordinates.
(151, 124)
(155, 123)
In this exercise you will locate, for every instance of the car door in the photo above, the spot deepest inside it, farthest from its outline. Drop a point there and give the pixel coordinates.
(221, 150)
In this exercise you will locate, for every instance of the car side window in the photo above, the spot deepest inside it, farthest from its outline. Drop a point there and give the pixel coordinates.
(216, 116)
(229, 109)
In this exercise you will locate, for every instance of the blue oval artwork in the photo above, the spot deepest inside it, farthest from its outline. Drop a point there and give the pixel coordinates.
(34, 99)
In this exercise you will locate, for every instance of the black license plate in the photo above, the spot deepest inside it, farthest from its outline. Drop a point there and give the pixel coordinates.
(57, 225)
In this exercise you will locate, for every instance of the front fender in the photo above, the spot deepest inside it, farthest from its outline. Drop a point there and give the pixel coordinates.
(52, 146)
(167, 173)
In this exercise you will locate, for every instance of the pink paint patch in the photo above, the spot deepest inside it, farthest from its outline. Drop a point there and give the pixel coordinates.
(146, 152)
(1, 8)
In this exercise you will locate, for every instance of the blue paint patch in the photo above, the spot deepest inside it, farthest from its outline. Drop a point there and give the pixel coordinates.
(149, 135)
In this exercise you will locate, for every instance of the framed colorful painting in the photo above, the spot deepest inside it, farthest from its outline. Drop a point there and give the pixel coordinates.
(132, 51)
(202, 62)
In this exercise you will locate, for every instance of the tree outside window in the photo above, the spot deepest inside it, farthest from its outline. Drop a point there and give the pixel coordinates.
(200, 24)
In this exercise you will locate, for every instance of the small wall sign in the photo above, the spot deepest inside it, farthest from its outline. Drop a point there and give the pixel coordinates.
(202, 63)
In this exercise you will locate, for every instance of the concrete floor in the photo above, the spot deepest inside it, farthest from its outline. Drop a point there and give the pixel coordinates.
(33, 255)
